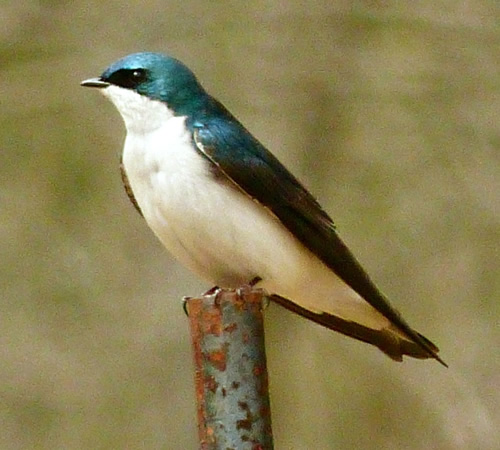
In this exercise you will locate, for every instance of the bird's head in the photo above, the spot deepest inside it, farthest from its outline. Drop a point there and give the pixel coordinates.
(141, 84)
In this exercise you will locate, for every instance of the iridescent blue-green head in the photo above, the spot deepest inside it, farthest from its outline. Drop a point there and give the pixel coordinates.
(152, 76)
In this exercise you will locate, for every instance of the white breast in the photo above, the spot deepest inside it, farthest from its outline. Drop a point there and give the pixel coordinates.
(212, 227)
(205, 222)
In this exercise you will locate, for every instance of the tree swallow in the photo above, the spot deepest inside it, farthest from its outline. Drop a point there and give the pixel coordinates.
(224, 206)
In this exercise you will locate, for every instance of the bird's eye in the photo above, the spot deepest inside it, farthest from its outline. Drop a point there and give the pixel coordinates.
(127, 78)
(138, 75)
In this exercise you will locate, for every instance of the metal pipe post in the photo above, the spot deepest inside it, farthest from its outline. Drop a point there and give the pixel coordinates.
(231, 374)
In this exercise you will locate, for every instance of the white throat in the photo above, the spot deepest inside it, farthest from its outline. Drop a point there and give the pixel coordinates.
(140, 113)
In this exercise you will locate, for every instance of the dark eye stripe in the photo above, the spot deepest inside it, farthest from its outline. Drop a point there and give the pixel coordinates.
(127, 78)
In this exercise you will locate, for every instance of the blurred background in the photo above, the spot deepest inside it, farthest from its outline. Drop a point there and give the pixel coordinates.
(386, 110)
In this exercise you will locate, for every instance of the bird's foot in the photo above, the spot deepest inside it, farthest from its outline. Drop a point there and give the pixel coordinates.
(213, 290)
(246, 288)
(185, 300)
(241, 291)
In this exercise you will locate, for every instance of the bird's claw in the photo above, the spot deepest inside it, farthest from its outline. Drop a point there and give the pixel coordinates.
(214, 290)
(185, 301)
(247, 288)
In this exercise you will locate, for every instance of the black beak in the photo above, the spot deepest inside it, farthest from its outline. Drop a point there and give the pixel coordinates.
(95, 83)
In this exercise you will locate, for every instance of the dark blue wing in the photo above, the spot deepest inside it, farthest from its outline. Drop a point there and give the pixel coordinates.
(245, 161)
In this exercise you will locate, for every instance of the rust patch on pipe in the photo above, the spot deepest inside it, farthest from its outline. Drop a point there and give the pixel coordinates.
(231, 328)
(258, 371)
(211, 384)
(211, 322)
(218, 359)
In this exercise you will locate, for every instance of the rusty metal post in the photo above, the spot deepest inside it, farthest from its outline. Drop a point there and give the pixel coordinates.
(231, 374)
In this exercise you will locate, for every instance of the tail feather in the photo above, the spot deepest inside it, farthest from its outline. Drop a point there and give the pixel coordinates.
(386, 340)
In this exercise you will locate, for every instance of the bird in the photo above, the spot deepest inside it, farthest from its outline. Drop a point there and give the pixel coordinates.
(229, 210)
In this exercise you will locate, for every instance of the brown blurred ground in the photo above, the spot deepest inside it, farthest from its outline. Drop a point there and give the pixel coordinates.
(388, 111)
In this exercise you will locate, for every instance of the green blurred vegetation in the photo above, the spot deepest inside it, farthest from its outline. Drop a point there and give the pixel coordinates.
(388, 111)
